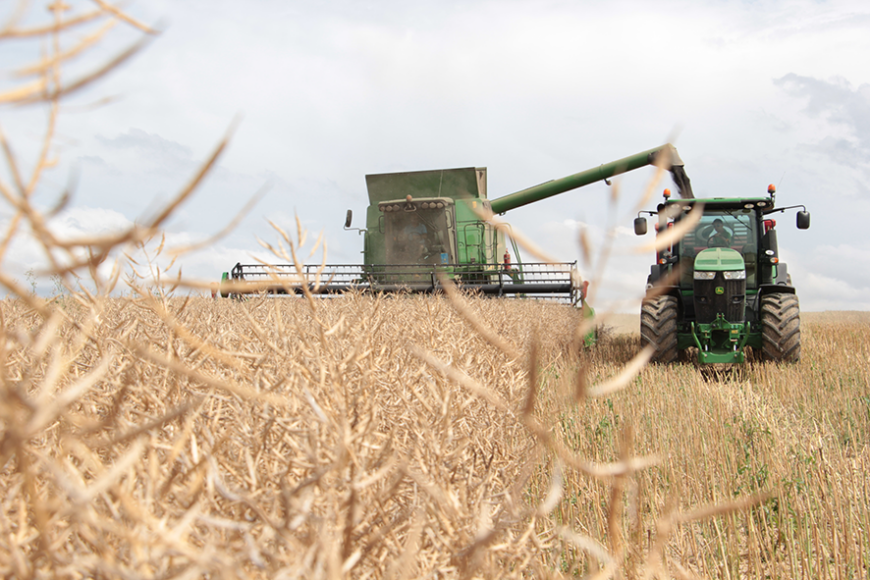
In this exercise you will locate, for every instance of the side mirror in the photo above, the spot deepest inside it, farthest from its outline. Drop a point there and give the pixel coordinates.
(348, 219)
(640, 226)
(803, 220)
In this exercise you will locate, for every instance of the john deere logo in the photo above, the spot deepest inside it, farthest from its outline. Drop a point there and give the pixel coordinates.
(720, 290)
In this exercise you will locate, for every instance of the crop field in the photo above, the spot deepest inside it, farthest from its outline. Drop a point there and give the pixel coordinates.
(147, 431)
(156, 437)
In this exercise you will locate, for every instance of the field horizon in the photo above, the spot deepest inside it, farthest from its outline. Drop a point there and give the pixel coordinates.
(626, 323)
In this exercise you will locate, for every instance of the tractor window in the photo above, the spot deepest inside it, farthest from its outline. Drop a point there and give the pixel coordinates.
(736, 229)
(418, 237)
(720, 230)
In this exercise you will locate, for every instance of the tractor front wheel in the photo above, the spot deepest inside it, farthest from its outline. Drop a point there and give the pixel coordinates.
(780, 328)
(658, 327)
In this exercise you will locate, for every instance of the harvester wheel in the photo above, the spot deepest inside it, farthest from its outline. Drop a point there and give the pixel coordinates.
(658, 327)
(780, 328)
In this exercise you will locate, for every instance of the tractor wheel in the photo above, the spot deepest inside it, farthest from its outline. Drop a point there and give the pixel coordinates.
(780, 328)
(658, 327)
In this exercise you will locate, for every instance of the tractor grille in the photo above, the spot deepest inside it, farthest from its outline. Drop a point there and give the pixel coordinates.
(730, 302)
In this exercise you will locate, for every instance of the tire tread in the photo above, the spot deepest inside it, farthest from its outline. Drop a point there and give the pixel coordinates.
(780, 328)
(658, 327)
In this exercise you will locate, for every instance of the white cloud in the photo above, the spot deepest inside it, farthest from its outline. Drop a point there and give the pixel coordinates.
(78, 222)
(827, 293)
(27, 258)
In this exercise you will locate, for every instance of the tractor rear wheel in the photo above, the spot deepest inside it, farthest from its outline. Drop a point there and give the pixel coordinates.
(780, 328)
(658, 327)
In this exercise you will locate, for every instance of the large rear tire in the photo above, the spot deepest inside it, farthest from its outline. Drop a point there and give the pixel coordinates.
(780, 328)
(658, 327)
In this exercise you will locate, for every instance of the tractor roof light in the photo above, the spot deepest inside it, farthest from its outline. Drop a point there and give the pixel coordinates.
(666, 193)
(771, 189)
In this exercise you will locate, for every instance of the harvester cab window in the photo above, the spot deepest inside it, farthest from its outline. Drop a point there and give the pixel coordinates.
(419, 236)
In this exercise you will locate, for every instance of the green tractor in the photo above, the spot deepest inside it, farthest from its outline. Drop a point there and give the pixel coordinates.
(721, 288)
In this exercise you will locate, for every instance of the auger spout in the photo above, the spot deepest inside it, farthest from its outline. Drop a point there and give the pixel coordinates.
(600, 173)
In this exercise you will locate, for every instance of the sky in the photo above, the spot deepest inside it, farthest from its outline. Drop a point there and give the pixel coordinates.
(315, 95)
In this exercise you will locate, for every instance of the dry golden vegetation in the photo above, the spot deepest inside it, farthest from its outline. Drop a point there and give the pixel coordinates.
(158, 435)
(145, 437)
(264, 438)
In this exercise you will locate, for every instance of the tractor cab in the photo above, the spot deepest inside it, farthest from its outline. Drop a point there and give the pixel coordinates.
(724, 238)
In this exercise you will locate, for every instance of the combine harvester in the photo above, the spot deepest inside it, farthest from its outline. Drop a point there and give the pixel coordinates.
(425, 226)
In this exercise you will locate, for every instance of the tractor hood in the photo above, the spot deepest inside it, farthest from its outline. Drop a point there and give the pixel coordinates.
(719, 260)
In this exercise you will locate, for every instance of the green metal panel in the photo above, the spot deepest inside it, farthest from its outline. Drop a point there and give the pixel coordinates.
(374, 249)
(719, 260)
(471, 230)
(468, 182)
(720, 341)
